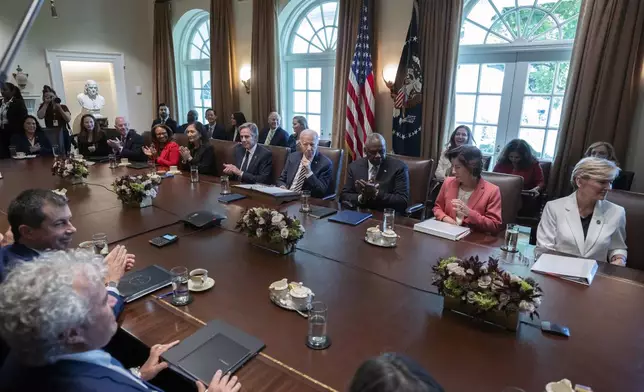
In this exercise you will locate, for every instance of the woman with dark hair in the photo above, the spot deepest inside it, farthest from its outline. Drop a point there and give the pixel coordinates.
(92, 140)
(167, 149)
(461, 136)
(199, 152)
(518, 158)
(55, 114)
(393, 373)
(466, 199)
(236, 120)
(299, 124)
(32, 140)
(12, 112)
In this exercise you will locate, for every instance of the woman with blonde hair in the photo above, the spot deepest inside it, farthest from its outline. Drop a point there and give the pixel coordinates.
(602, 150)
(584, 224)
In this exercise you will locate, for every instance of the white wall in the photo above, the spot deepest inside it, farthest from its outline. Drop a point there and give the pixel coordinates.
(112, 26)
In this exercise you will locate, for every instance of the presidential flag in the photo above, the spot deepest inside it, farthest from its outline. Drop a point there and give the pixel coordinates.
(408, 89)
(361, 103)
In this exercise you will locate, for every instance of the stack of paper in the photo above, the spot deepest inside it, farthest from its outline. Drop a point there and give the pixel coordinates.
(442, 229)
(269, 190)
(570, 268)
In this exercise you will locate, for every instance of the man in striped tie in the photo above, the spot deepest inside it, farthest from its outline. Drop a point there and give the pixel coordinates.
(307, 169)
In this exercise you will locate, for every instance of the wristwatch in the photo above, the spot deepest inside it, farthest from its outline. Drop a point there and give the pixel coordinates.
(112, 283)
(136, 371)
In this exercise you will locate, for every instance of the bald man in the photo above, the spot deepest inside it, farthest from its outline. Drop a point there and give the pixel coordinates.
(377, 181)
(130, 144)
(307, 169)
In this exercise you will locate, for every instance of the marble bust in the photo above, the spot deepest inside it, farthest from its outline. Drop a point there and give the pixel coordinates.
(90, 100)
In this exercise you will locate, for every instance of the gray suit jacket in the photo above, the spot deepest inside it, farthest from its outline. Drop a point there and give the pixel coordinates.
(319, 183)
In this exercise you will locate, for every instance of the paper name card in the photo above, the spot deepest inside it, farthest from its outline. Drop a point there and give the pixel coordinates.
(442, 229)
(574, 269)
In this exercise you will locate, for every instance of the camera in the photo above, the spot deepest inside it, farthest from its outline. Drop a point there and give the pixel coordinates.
(57, 100)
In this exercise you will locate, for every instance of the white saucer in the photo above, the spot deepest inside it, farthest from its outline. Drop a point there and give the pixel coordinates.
(210, 283)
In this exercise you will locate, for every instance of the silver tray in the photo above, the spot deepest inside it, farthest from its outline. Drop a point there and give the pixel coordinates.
(378, 244)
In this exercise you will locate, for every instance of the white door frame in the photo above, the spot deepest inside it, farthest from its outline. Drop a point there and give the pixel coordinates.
(54, 57)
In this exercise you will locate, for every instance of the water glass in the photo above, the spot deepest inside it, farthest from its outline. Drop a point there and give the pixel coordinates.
(317, 336)
(511, 238)
(306, 207)
(224, 181)
(388, 217)
(12, 151)
(112, 159)
(55, 150)
(100, 244)
(194, 174)
(180, 291)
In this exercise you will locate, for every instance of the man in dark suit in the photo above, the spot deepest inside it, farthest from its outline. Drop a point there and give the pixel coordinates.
(307, 169)
(192, 117)
(377, 181)
(274, 135)
(213, 128)
(253, 163)
(130, 144)
(164, 118)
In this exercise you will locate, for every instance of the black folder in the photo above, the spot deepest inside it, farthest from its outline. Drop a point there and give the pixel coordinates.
(349, 217)
(136, 284)
(230, 198)
(321, 212)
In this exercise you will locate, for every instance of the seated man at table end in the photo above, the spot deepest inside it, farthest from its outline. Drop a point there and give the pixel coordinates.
(377, 181)
(130, 144)
(57, 326)
(307, 169)
(253, 163)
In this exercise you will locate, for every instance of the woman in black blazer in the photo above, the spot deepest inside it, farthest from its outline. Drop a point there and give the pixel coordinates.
(32, 140)
(92, 140)
(199, 152)
(12, 112)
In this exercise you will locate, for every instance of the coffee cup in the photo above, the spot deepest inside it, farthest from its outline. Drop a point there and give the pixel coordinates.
(301, 297)
(20, 154)
(280, 288)
(199, 277)
(173, 168)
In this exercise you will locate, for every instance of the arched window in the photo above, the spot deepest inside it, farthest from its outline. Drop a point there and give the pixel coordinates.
(511, 78)
(192, 59)
(308, 40)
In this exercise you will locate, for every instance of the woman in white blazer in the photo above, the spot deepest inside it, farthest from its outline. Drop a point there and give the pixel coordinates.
(584, 224)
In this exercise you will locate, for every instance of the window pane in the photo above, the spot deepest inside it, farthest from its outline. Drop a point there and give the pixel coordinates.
(314, 49)
(299, 78)
(465, 107)
(467, 78)
(299, 101)
(535, 111)
(492, 78)
(485, 137)
(197, 98)
(195, 53)
(315, 17)
(305, 30)
(483, 14)
(551, 143)
(299, 45)
(472, 34)
(562, 78)
(314, 121)
(203, 29)
(555, 115)
(329, 11)
(205, 79)
(534, 137)
(315, 102)
(196, 79)
(315, 78)
(487, 110)
(197, 41)
(541, 78)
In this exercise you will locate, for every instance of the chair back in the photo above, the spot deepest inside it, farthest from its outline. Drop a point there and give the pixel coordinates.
(420, 175)
(224, 153)
(324, 143)
(486, 162)
(510, 187)
(545, 168)
(624, 180)
(181, 139)
(280, 154)
(633, 204)
(335, 155)
(147, 138)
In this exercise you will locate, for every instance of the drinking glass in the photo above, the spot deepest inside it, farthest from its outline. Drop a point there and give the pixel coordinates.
(180, 291)
(225, 185)
(511, 238)
(112, 159)
(306, 207)
(12, 151)
(100, 244)
(194, 174)
(55, 150)
(388, 217)
(317, 336)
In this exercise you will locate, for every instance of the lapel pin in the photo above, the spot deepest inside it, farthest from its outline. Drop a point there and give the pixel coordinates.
(599, 222)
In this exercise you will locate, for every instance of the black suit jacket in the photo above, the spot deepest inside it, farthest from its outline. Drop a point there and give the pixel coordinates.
(319, 183)
(219, 132)
(260, 167)
(169, 122)
(133, 147)
(16, 113)
(279, 139)
(102, 148)
(393, 178)
(22, 143)
(203, 157)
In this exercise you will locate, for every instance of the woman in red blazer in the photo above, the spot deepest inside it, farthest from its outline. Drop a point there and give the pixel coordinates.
(466, 199)
(167, 149)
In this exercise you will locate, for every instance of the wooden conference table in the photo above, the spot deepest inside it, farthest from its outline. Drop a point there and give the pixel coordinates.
(379, 300)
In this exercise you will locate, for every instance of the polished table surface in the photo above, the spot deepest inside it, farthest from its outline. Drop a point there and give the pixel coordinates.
(379, 299)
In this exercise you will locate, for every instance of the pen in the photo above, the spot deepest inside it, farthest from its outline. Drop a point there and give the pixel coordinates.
(165, 295)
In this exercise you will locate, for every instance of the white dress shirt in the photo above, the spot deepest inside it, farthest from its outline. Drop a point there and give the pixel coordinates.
(269, 137)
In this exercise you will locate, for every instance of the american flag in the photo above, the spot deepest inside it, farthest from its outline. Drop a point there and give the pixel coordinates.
(400, 98)
(361, 103)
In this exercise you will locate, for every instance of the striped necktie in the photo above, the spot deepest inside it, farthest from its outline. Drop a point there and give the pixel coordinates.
(373, 173)
(299, 182)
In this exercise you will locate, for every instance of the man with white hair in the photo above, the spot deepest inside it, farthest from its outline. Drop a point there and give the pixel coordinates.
(129, 145)
(307, 169)
(274, 135)
(56, 327)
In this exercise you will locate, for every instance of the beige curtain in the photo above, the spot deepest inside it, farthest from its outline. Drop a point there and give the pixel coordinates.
(164, 83)
(605, 73)
(263, 60)
(440, 28)
(223, 68)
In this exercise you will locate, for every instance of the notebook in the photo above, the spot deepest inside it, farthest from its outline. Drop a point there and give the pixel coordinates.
(217, 346)
(230, 198)
(138, 165)
(349, 217)
(442, 229)
(574, 269)
(321, 212)
(136, 284)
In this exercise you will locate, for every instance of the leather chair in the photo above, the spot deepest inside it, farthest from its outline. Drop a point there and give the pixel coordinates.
(147, 138)
(324, 143)
(633, 203)
(336, 156)
(280, 154)
(510, 187)
(530, 213)
(224, 153)
(486, 162)
(624, 180)
(181, 139)
(420, 175)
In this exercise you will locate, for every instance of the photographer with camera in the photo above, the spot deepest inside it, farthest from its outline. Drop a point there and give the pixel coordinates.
(56, 115)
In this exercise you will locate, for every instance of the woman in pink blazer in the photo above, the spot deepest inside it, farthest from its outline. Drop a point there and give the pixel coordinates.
(466, 199)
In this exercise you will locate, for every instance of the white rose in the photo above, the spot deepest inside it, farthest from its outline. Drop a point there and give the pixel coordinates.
(261, 221)
(302, 229)
(470, 297)
(258, 232)
(526, 306)
(470, 271)
(515, 279)
(537, 301)
(277, 218)
(281, 225)
(273, 213)
(485, 281)
(284, 233)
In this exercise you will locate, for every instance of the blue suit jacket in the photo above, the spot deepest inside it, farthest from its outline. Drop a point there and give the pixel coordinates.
(260, 167)
(22, 143)
(319, 183)
(280, 138)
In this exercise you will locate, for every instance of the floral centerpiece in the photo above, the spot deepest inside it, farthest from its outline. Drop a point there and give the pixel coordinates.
(74, 169)
(271, 229)
(483, 290)
(137, 190)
